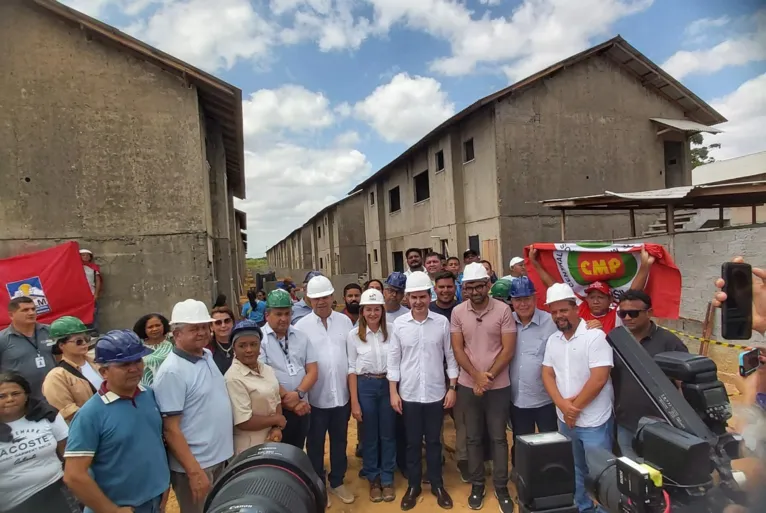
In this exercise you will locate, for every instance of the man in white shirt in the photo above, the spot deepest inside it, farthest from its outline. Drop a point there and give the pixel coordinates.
(419, 346)
(414, 261)
(330, 408)
(576, 369)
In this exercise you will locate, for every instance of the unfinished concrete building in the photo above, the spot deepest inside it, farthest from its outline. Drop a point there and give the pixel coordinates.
(605, 119)
(333, 241)
(131, 152)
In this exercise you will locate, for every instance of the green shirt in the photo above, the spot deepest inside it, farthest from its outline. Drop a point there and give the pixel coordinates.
(153, 361)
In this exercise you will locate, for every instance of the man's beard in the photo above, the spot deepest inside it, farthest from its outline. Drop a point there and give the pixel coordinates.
(352, 307)
(566, 327)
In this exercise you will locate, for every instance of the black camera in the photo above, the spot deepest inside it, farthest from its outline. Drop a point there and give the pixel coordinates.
(268, 478)
(681, 452)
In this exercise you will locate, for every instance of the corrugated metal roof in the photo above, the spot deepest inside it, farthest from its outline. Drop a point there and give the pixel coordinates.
(730, 169)
(673, 192)
(686, 125)
(617, 50)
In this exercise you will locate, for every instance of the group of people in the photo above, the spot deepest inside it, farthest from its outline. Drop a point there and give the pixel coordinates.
(169, 403)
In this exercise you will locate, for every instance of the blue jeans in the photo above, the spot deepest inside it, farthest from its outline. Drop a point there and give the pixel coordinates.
(379, 431)
(625, 442)
(332, 422)
(583, 438)
(150, 506)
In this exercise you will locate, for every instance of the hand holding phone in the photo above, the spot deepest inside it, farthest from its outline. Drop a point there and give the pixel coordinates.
(749, 361)
(758, 310)
(736, 311)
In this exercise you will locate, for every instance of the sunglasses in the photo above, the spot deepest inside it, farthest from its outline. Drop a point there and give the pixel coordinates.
(633, 314)
(223, 322)
(79, 341)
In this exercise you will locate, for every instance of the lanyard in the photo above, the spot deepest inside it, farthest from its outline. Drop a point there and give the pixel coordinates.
(34, 344)
(285, 348)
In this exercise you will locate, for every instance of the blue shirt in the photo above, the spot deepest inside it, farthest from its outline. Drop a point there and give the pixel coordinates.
(299, 349)
(258, 314)
(193, 387)
(526, 368)
(300, 310)
(124, 438)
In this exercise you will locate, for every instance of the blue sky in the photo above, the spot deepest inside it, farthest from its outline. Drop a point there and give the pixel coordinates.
(335, 89)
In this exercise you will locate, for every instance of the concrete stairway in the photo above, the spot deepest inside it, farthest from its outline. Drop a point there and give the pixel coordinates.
(682, 219)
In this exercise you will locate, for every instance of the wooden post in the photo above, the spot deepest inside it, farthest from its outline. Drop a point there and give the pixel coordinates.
(632, 222)
(720, 217)
(707, 329)
(753, 215)
(670, 216)
(563, 225)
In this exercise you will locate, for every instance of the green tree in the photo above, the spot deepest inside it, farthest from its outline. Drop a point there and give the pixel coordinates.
(701, 151)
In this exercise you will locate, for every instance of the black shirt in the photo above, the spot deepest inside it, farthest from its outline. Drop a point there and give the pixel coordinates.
(221, 358)
(446, 312)
(630, 401)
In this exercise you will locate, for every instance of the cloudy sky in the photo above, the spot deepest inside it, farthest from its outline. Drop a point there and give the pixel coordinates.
(335, 89)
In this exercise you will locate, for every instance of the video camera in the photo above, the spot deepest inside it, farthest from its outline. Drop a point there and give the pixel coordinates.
(685, 457)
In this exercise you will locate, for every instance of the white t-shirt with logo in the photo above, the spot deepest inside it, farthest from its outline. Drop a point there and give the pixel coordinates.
(29, 463)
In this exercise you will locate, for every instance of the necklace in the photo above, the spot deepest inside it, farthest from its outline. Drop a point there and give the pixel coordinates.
(226, 351)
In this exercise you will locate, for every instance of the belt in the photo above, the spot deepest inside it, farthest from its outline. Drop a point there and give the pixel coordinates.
(374, 376)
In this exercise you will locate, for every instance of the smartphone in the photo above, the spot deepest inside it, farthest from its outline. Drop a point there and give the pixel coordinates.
(737, 310)
(749, 362)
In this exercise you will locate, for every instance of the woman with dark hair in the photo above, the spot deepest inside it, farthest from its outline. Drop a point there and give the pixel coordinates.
(223, 322)
(374, 284)
(154, 331)
(32, 440)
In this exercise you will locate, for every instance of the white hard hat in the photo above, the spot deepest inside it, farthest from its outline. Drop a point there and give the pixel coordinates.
(86, 252)
(516, 261)
(474, 272)
(319, 286)
(190, 311)
(417, 281)
(372, 297)
(560, 292)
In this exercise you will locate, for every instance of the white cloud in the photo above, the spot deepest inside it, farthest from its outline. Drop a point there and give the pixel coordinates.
(490, 2)
(346, 139)
(738, 50)
(745, 109)
(211, 35)
(332, 24)
(702, 25)
(406, 108)
(288, 108)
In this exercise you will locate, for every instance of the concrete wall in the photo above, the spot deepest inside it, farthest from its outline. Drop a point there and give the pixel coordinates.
(582, 131)
(100, 147)
(699, 256)
(348, 225)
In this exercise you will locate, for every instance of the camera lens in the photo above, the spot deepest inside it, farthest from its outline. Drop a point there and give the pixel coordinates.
(268, 478)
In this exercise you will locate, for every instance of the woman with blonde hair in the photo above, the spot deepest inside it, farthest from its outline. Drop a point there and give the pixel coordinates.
(368, 346)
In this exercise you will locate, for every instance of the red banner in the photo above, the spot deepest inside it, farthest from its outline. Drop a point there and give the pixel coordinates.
(582, 263)
(53, 278)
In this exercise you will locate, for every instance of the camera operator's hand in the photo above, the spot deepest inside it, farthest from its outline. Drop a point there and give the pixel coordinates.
(759, 296)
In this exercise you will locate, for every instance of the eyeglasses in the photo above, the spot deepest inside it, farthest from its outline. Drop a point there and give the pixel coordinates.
(633, 314)
(79, 341)
(474, 288)
(223, 322)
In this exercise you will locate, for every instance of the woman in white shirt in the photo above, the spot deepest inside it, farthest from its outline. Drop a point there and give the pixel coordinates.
(32, 441)
(367, 346)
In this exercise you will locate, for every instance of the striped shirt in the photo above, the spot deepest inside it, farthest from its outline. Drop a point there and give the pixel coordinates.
(153, 361)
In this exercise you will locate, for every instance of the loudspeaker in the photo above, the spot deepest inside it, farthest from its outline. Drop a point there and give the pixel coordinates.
(545, 468)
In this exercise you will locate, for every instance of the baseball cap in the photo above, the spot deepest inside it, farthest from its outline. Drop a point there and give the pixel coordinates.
(599, 286)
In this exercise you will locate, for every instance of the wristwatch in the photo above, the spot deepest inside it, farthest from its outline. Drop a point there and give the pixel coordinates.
(301, 394)
(453, 387)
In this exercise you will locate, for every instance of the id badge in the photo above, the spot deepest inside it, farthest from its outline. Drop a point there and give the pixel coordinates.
(40, 362)
(292, 370)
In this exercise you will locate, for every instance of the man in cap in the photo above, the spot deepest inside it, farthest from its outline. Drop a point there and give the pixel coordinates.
(115, 455)
(302, 308)
(194, 402)
(517, 268)
(393, 293)
(599, 309)
(531, 406)
(419, 344)
(484, 341)
(329, 397)
(290, 353)
(95, 281)
(576, 369)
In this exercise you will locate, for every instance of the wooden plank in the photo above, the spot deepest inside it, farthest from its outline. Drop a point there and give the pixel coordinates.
(632, 222)
(670, 216)
(563, 225)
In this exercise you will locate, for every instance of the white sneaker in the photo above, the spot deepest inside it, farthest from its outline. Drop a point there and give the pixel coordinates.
(343, 493)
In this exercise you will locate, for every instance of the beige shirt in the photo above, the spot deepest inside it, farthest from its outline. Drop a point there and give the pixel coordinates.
(251, 393)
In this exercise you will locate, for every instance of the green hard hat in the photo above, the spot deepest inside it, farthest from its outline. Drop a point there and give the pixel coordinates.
(65, 326)
(501, 289)
(279, 298)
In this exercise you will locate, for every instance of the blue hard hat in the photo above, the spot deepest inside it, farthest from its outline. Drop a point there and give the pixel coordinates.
(120, 346)
(522, 287)
(397, 280)
(311, 274)
(246, 326)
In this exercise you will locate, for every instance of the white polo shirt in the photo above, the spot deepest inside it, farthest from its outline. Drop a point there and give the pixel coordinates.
(572, 361)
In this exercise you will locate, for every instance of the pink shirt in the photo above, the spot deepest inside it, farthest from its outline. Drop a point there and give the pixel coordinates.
(482, 336)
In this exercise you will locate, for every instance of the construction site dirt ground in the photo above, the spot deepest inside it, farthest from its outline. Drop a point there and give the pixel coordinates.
(726, 359)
